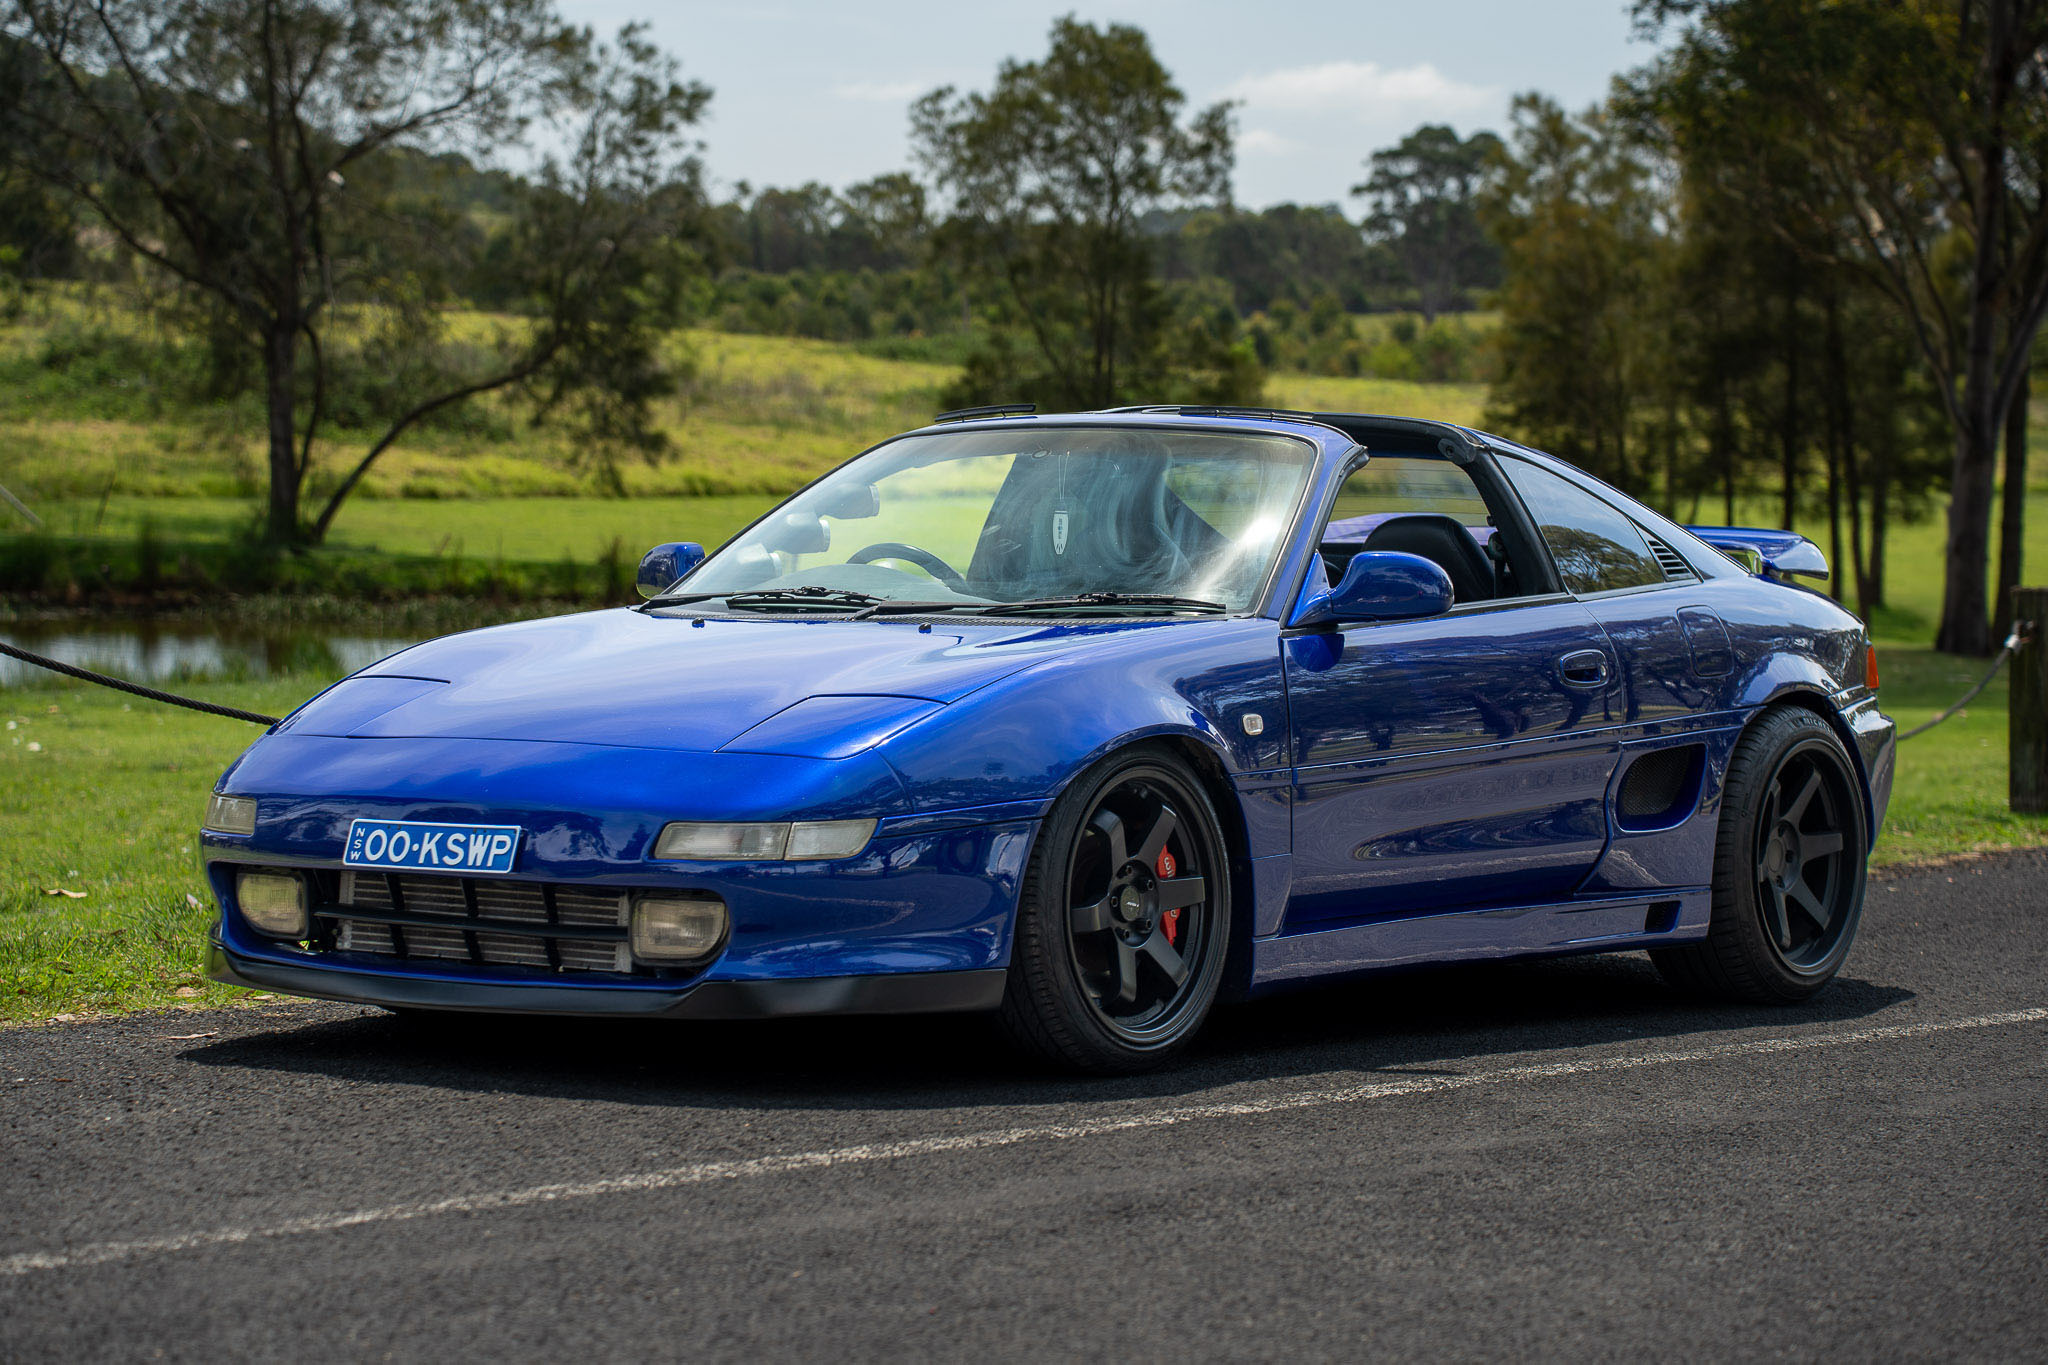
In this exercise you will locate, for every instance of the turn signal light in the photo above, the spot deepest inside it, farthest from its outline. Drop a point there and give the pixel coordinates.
(806, 839)
(1870, 667)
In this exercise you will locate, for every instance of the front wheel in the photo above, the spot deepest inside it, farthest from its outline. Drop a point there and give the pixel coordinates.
(1124, 920)
(1788, 867)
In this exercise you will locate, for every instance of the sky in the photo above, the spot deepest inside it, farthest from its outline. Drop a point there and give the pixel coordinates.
(820, 91)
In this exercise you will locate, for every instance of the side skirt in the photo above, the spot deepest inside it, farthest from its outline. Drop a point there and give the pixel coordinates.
(1615, 924)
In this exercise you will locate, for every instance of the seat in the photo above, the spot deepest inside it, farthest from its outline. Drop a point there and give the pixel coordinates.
(1446, 542)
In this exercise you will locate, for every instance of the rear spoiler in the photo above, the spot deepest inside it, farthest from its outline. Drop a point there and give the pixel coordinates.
(1767, 554)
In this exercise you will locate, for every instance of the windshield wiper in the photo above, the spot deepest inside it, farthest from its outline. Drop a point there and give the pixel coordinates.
(1081, 601)
(809, 595)
(1109, 599)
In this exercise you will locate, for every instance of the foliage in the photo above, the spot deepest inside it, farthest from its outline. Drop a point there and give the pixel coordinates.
(1324, 339)
(1574, 212)
(1050, 175)
(1422, 199)
(1924, 124)
(1290, 253)
(264, 157)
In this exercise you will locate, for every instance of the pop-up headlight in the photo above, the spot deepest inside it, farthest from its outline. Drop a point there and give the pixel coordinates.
(804, 840)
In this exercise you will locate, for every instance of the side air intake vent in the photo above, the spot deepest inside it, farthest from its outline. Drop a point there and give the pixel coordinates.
(1676, 570)
(1660, 788)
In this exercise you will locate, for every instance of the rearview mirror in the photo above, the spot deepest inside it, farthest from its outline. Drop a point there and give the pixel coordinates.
(797, 533)
(852, 502)
(1381, 585)
(665, 564)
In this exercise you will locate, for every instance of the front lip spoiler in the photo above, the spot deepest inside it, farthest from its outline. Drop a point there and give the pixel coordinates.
(905, 993)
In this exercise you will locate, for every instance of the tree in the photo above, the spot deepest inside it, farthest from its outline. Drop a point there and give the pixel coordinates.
(1574, 213)
(1051, 174)
(1928, 119)
(1422, 201)
(259, 152)
(1785, 349)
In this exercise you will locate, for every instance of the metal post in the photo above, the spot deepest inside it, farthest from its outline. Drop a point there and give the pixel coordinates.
(2027, 785)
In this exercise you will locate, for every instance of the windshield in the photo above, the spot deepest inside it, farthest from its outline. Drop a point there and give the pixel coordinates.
(1023, 515)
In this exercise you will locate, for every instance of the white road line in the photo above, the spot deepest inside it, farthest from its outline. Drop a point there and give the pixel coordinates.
(99, 1253)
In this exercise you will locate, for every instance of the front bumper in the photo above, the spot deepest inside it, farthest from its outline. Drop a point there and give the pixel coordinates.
(904, 993)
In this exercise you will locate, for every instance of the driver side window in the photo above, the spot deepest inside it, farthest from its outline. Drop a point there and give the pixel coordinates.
(1428, 507)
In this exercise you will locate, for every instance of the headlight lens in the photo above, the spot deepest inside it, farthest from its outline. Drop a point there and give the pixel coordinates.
(805, 839)
(231, 814)
(677, 928)
(274, 903)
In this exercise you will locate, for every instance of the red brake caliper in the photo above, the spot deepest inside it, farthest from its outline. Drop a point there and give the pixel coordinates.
(1170, 921)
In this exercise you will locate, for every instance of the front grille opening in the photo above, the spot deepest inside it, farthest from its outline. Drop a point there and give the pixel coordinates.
(483, 922)
(1660, 787)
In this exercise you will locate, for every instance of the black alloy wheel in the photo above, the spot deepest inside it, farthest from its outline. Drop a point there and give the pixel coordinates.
(1788, 867)
(1801, 837)
(1125, 919)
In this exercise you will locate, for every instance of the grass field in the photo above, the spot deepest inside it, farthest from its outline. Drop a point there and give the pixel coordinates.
(131, 781)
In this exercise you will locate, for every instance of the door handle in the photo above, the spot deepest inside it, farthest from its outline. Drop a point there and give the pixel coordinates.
(1583, 668)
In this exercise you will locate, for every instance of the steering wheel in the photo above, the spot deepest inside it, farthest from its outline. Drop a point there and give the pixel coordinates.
(924, 559)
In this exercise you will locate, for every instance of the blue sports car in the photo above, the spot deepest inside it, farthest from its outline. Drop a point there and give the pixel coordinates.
(1088, 721)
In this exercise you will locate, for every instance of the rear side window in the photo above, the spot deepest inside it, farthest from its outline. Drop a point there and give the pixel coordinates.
(1597, 549)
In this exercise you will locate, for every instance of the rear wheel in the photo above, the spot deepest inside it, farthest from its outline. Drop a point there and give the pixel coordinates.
(1124, 921)
(1788, 867)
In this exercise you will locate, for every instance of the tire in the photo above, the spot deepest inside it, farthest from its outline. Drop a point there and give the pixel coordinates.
(1788, 868)
(1103, 921)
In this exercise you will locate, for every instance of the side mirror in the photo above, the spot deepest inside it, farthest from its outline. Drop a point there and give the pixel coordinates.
(665, 564)
(1381, 585)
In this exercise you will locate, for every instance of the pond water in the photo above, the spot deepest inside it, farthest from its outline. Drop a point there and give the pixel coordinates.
(155, 650)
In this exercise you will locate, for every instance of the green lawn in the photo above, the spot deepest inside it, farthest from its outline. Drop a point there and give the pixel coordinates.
(130, 779)
(103, 794)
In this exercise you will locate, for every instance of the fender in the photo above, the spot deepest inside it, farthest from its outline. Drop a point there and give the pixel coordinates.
(1023, 738)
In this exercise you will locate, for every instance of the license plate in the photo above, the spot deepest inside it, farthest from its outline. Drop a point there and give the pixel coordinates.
(417, 844)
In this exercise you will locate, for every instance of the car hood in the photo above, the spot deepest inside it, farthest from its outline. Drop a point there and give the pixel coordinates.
(641, 680)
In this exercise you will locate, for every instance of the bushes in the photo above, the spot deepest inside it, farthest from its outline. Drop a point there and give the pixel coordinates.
(1325, 340)
(73, 570)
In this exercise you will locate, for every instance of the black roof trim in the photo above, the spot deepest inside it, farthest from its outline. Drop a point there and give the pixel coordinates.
(1454, 443)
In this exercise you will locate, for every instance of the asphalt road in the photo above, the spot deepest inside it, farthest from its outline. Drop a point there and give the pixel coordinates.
(1551, 1158)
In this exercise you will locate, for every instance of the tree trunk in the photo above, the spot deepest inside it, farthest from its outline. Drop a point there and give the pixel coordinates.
(1837, 420)
(1965, 614)
(1788, 424)
(1880, 516)
(2012, 517)
(1965, 610)
(280, 391)
(1724, 438)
